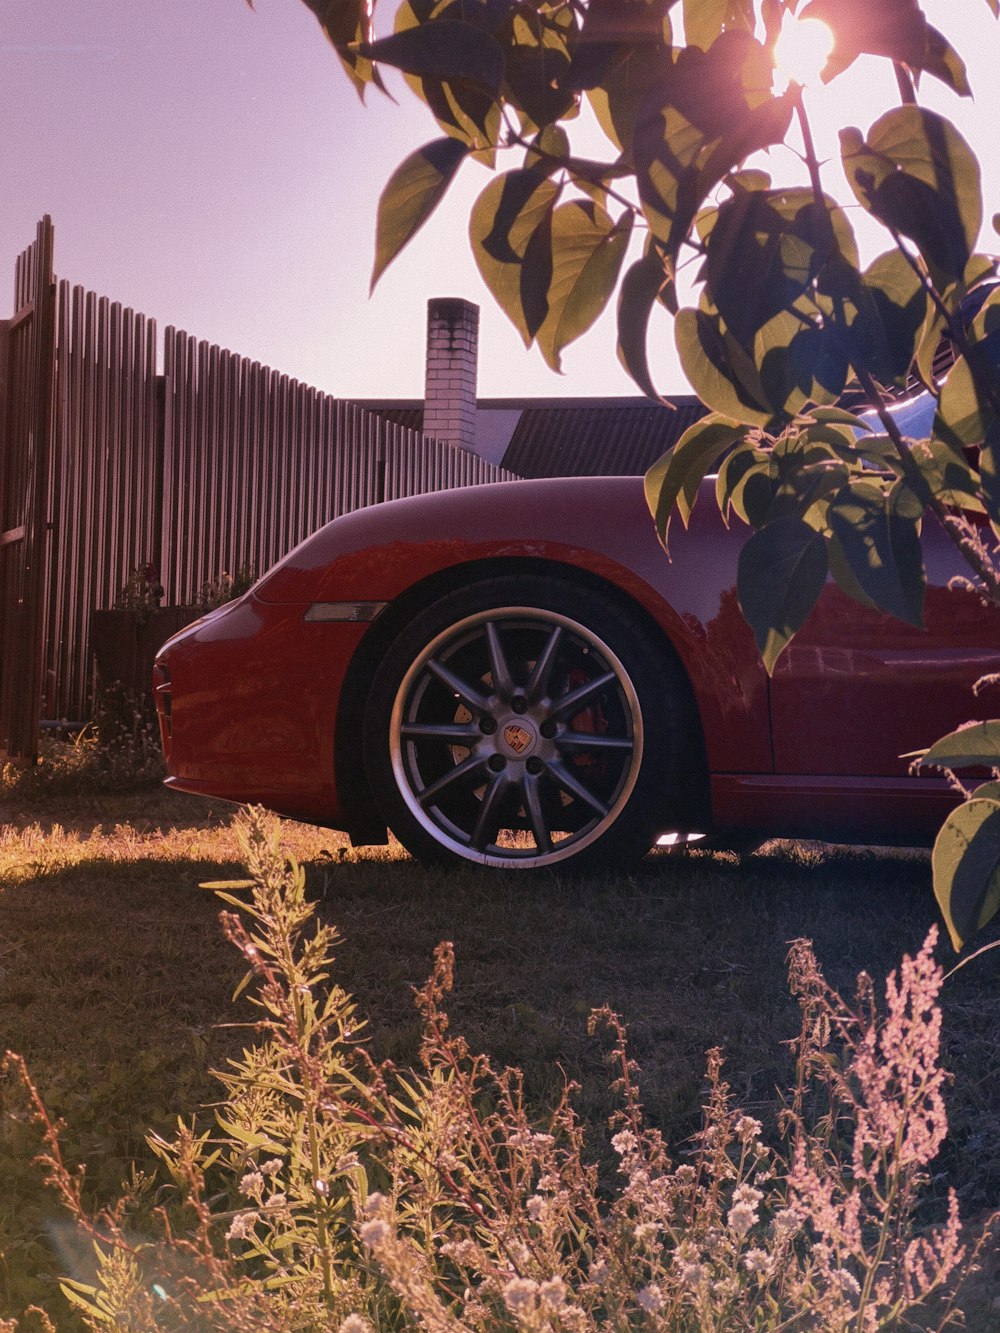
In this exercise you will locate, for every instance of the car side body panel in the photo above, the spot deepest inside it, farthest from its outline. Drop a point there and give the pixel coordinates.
(256, 687)
(256, 691)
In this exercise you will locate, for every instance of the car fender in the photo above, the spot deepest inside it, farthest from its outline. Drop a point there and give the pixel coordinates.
(599, 526)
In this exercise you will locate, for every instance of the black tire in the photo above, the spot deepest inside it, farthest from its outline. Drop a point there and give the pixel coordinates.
(527, 722)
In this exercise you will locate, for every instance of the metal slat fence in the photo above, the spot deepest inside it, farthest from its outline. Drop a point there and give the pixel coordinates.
(218, 465)
(107, 477)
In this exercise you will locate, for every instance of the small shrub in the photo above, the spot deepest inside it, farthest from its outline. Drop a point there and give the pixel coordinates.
(142, 592)
(226, 588)
(334, 1193)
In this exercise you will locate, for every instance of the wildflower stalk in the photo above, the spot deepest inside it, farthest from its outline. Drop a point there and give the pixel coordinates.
(492, 1223)
(322, 1233)
(888, 1221)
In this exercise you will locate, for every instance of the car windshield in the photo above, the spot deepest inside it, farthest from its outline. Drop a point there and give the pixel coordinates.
(914, 417)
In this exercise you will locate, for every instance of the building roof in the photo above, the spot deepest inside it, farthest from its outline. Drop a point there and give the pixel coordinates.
(598, 437)
(566, 437)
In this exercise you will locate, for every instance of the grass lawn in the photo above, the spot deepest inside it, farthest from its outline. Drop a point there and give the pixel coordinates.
(114, 979)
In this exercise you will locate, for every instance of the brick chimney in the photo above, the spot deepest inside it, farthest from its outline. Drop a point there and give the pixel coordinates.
(450, 383)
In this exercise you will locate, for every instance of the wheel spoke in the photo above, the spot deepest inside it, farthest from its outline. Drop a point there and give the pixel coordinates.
(467, 693)
(467, 772)
(456, 733)
(565, 779)
(582, 741)
(539, 683)
(488, 821)
(503, 682)
(533, 805)
(572, 703)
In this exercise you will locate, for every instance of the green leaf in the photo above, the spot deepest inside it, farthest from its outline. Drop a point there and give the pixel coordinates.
(756, 267)
(896, 30)
(980, 268)
(928, 342)
(443, 49)
(548, 149)
(745, 469)
(668, 150)
(674, 479)
(260, 1142)
(892, 315)
(754, 496)
(411, 195)
(966, 866)
(588, 248)
(799, 363)
(347, 22)
(989, 467)
(709, 112)
(507, 212)
(962, 418)
(782, 569)
(947, 475)
(620, 56)
(637, 296)
(842, 573)
(943, 61)
(977, 746)
(881, 546)
(504, 218)
(242, 984)
(807, 494)
(341, 20)
(919, 177)
(537, 268)
(838, 416)
(767, 248)
(535, 82)
(464, 108)
(77, 1293)
(721, 373)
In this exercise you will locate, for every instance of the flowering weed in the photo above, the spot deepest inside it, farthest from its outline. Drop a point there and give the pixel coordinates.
(334, 1192)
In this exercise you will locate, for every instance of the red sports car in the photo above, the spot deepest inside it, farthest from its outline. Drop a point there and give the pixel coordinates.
(518, 676)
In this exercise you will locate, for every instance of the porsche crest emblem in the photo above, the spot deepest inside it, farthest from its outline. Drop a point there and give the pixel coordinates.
(517, 738)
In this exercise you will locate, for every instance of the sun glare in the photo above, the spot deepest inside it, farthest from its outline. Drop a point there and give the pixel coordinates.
(802, 49)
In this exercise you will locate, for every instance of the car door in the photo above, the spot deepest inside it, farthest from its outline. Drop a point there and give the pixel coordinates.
(857, 690)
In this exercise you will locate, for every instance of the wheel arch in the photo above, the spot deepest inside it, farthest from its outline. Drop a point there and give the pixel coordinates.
(362, 820)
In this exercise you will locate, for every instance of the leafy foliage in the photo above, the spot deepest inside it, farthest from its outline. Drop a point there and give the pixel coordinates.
(225, 588)
(119, 750)
(142, 592)
(784, 317)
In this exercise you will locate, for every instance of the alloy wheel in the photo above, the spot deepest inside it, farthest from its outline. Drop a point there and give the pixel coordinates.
(516, 737)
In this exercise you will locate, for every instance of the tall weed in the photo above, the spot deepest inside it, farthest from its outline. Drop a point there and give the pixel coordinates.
(331, 1192)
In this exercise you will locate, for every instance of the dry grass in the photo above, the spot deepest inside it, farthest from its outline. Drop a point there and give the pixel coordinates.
(113, 978)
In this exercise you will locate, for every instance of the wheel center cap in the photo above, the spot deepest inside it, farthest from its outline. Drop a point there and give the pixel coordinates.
(518, 738)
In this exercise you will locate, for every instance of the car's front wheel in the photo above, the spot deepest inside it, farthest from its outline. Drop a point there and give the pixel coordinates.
(525, 722)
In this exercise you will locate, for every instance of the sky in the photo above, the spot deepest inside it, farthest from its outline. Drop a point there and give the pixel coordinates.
(212, 167)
